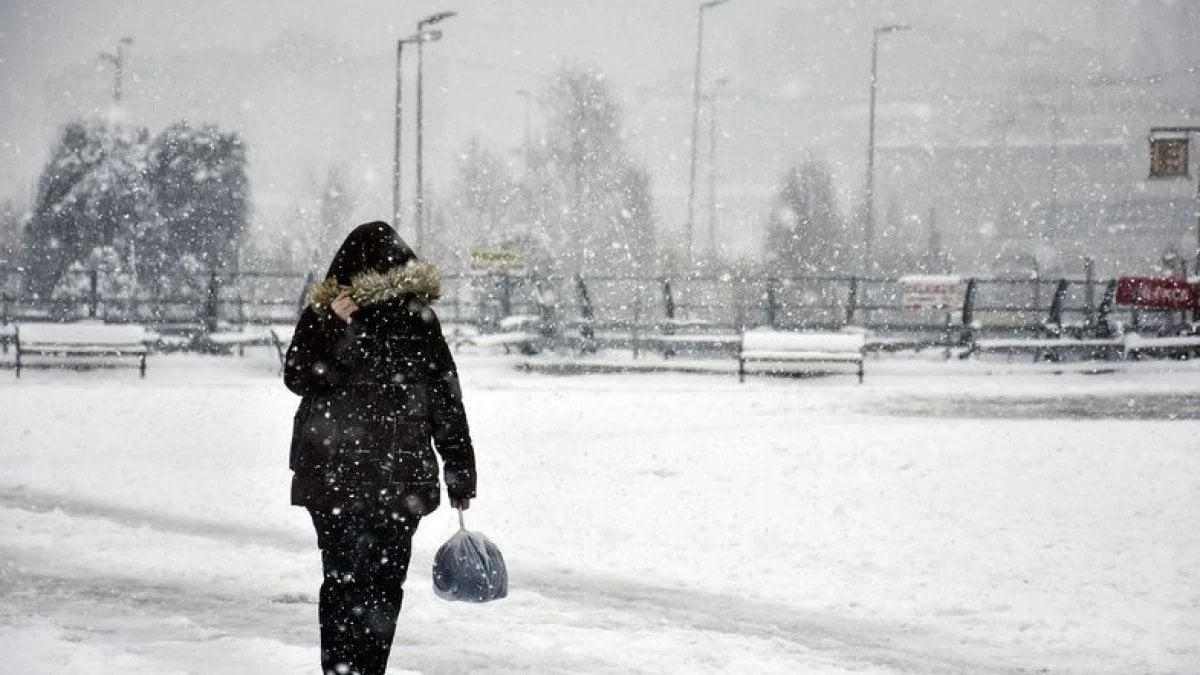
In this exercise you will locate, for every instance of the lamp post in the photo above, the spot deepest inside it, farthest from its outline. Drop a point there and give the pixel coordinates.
(418, 39)
(420, 199)
(869, 233)
(118, 62)
(691, 216)
(712, 166)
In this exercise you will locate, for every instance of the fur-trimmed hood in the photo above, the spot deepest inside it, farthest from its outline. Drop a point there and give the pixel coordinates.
(422, 279)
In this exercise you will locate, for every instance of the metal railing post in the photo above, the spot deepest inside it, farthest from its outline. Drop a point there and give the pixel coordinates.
(587, 329)
(852, 300)
(772, 302)
(94, 293)
(968, 310)
(210, 304)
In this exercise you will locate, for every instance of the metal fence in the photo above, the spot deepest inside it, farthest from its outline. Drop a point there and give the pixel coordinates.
(217, 301)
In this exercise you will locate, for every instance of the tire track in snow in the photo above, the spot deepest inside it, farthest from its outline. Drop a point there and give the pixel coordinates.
(904, 648)
(20, 497)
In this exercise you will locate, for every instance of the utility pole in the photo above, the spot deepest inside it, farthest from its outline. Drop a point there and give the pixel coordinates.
(1055, 128)
(691, 214)
(712, 167)
(869, 225)
(396, 215)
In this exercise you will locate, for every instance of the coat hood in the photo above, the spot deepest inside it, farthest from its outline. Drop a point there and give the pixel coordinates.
(374, 265)
(372, 246)
(422, 279)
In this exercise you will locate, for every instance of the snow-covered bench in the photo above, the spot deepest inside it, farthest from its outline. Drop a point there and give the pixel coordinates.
(1182, 346)
(52, 345)
(782, 350)
(520, 331)
(1049, 349)
(281, 337)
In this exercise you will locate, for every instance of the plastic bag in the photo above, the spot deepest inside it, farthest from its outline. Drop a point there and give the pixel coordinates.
(469, 568)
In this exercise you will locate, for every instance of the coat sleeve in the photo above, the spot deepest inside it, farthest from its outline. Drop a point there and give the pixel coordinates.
(451, 435)
(312, 363)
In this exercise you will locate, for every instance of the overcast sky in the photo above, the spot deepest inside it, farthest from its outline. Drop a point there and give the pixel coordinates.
(309, 83)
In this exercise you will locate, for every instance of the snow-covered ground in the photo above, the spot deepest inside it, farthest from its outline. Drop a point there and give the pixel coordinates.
(940, 518)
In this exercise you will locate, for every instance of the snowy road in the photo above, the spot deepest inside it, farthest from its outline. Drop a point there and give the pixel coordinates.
(653, 523)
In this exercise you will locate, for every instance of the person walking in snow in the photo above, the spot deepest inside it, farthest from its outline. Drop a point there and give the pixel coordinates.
(378, 384)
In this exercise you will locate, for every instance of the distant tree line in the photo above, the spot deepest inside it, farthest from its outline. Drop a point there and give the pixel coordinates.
(573, 200)
(145, 210)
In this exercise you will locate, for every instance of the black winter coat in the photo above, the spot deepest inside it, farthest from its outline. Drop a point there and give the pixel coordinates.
(375, 392)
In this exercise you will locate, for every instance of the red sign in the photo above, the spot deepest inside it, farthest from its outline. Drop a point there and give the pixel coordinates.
(1157, 293)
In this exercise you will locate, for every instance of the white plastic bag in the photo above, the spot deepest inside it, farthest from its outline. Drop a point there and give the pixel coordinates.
(469, 568)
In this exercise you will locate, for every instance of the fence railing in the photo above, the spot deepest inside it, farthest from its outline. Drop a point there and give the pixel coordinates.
(217, 301)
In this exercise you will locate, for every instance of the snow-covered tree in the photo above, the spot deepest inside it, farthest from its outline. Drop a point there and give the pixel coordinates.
(198, 176)
(147, 202)
(806, 233)
(485, 194)
(335, 208)
(116, 282)
(10, 234)
(93, 193)
(590, 202)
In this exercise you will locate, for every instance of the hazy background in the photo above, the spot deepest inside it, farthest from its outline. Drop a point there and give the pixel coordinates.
(993, 114)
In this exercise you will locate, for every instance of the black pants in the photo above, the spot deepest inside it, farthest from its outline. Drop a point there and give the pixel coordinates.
(365, 557)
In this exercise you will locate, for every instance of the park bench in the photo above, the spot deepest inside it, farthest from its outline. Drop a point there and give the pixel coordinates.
(250, 336)
(520, 331)
(281, 338)
(782, 350)
(675, 337)
(1049, 349)
(1172, 346)
(76, 345)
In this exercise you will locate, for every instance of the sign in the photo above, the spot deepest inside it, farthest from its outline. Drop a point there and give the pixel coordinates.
(1157, 293)
(497, 259)
(1169, 157)
(927, 291)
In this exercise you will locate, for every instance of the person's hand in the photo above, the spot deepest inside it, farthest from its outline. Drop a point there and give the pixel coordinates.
(344, 306)
(463, 503)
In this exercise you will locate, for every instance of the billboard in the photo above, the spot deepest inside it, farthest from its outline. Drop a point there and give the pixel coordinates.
(1158, 293)
(1169, 157)
(931, 291)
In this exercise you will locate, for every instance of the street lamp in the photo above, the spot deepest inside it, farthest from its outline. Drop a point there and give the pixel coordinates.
(712, 165)
(420, 200)
(118, 62)
(691, 217)
(418, 39)
(869, 235)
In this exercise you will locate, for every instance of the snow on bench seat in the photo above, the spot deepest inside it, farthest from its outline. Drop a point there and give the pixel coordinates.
(777, 347)
(251, 336)
(1049, 348)
(700, 338)
(1036, 344)
(497, 339)
(1136, 344)
(73, 344)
